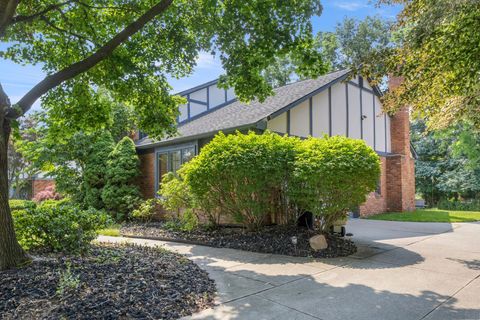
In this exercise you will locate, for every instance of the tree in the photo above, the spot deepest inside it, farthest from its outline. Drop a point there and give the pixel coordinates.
(438, 57)
(120, 194)
(94, 175)
(444, 167)
(350, 45)
(129, 47)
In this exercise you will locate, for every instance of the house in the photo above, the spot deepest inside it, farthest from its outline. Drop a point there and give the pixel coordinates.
(332, 104)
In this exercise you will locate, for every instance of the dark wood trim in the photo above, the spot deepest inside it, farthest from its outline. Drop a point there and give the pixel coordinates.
(288, 121)
(310, 115)
(364, 89)
(188, 106)
(208, 97)
(196, 88)
(330, 111)
(198, 102)
(347, 106)
(361, 115)
(226, 97)
(374, 125)
(208, 111)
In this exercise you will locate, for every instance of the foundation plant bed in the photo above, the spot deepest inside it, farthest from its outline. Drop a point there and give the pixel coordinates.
(271, 239)
(110, 282)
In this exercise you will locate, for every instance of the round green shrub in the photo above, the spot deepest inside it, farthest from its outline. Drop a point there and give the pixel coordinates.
(241, 175)
(58, 226)
(332, 176)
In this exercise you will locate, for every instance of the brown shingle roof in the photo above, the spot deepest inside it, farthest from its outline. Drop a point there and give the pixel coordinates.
(239, 115)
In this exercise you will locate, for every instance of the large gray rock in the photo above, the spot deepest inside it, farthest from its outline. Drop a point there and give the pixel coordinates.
(318, 242)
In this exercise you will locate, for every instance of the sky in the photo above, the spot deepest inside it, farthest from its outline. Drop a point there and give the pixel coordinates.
(16, 80)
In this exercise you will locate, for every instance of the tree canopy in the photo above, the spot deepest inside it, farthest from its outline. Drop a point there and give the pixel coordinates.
(350, 45)
(129, 48)
(65, 35)
(448, 165)
(438, 56)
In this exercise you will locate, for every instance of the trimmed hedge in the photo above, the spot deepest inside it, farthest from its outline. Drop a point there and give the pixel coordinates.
(251, 177)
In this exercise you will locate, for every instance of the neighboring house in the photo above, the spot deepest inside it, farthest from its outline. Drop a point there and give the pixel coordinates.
(330, 104)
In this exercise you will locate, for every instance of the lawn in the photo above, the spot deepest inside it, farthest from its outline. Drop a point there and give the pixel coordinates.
(113, 231)
(429, 215)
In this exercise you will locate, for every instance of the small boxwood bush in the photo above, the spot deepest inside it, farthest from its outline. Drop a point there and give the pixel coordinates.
(58, 226)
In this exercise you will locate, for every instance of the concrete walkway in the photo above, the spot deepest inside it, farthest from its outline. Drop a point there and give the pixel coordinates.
(401, 271)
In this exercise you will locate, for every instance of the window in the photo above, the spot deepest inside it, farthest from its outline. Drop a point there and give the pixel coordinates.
(188, 154)
(175, 160)
(172, 160)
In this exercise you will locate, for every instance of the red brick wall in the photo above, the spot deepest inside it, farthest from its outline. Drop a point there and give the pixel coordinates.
(146, 180)
(398, 170)
(40, 185)
(377, 203)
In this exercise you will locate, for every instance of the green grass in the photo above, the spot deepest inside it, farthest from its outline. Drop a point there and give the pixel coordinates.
(429, 215)
(113, 231)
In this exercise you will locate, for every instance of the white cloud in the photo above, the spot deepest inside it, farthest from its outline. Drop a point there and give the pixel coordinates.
(350, 5)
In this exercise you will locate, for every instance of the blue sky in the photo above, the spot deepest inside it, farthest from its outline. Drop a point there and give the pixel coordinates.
(17, 80)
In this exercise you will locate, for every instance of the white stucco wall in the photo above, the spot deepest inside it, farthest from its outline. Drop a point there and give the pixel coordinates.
(320, 114)
(278, 124)
(369, 115)
(299, 120)
(200, 95)
(339, 110)
(379, 126)
(217, 96)
(366, 103)
(354, 115)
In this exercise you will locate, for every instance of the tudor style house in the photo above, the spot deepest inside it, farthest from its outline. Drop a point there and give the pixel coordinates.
(332, 104)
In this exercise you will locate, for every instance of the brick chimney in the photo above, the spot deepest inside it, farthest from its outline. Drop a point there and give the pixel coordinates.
(401, 165)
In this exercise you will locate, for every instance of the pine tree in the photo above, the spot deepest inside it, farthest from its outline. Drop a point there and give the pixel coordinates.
(94, 175)
(120, 194)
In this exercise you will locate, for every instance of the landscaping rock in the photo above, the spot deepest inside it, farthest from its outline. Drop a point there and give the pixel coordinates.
(318, 242)
(272, 239)
(110, 282)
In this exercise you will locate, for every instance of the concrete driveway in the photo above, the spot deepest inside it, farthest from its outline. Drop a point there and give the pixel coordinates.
(401, 271)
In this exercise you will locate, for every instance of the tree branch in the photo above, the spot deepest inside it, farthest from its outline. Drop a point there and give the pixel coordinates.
(75, 69)
(7, 10)
(20, 18)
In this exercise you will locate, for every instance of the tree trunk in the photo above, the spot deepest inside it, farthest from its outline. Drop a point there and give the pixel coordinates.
(11, 253)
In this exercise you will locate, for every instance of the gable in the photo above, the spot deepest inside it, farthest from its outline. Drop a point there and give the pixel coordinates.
(345, 108)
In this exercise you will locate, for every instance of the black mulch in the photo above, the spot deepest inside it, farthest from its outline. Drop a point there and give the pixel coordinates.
(274, 239)
(114, 282)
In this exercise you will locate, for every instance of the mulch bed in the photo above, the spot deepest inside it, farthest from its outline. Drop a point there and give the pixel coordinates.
(111, 282)
(273, 239)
